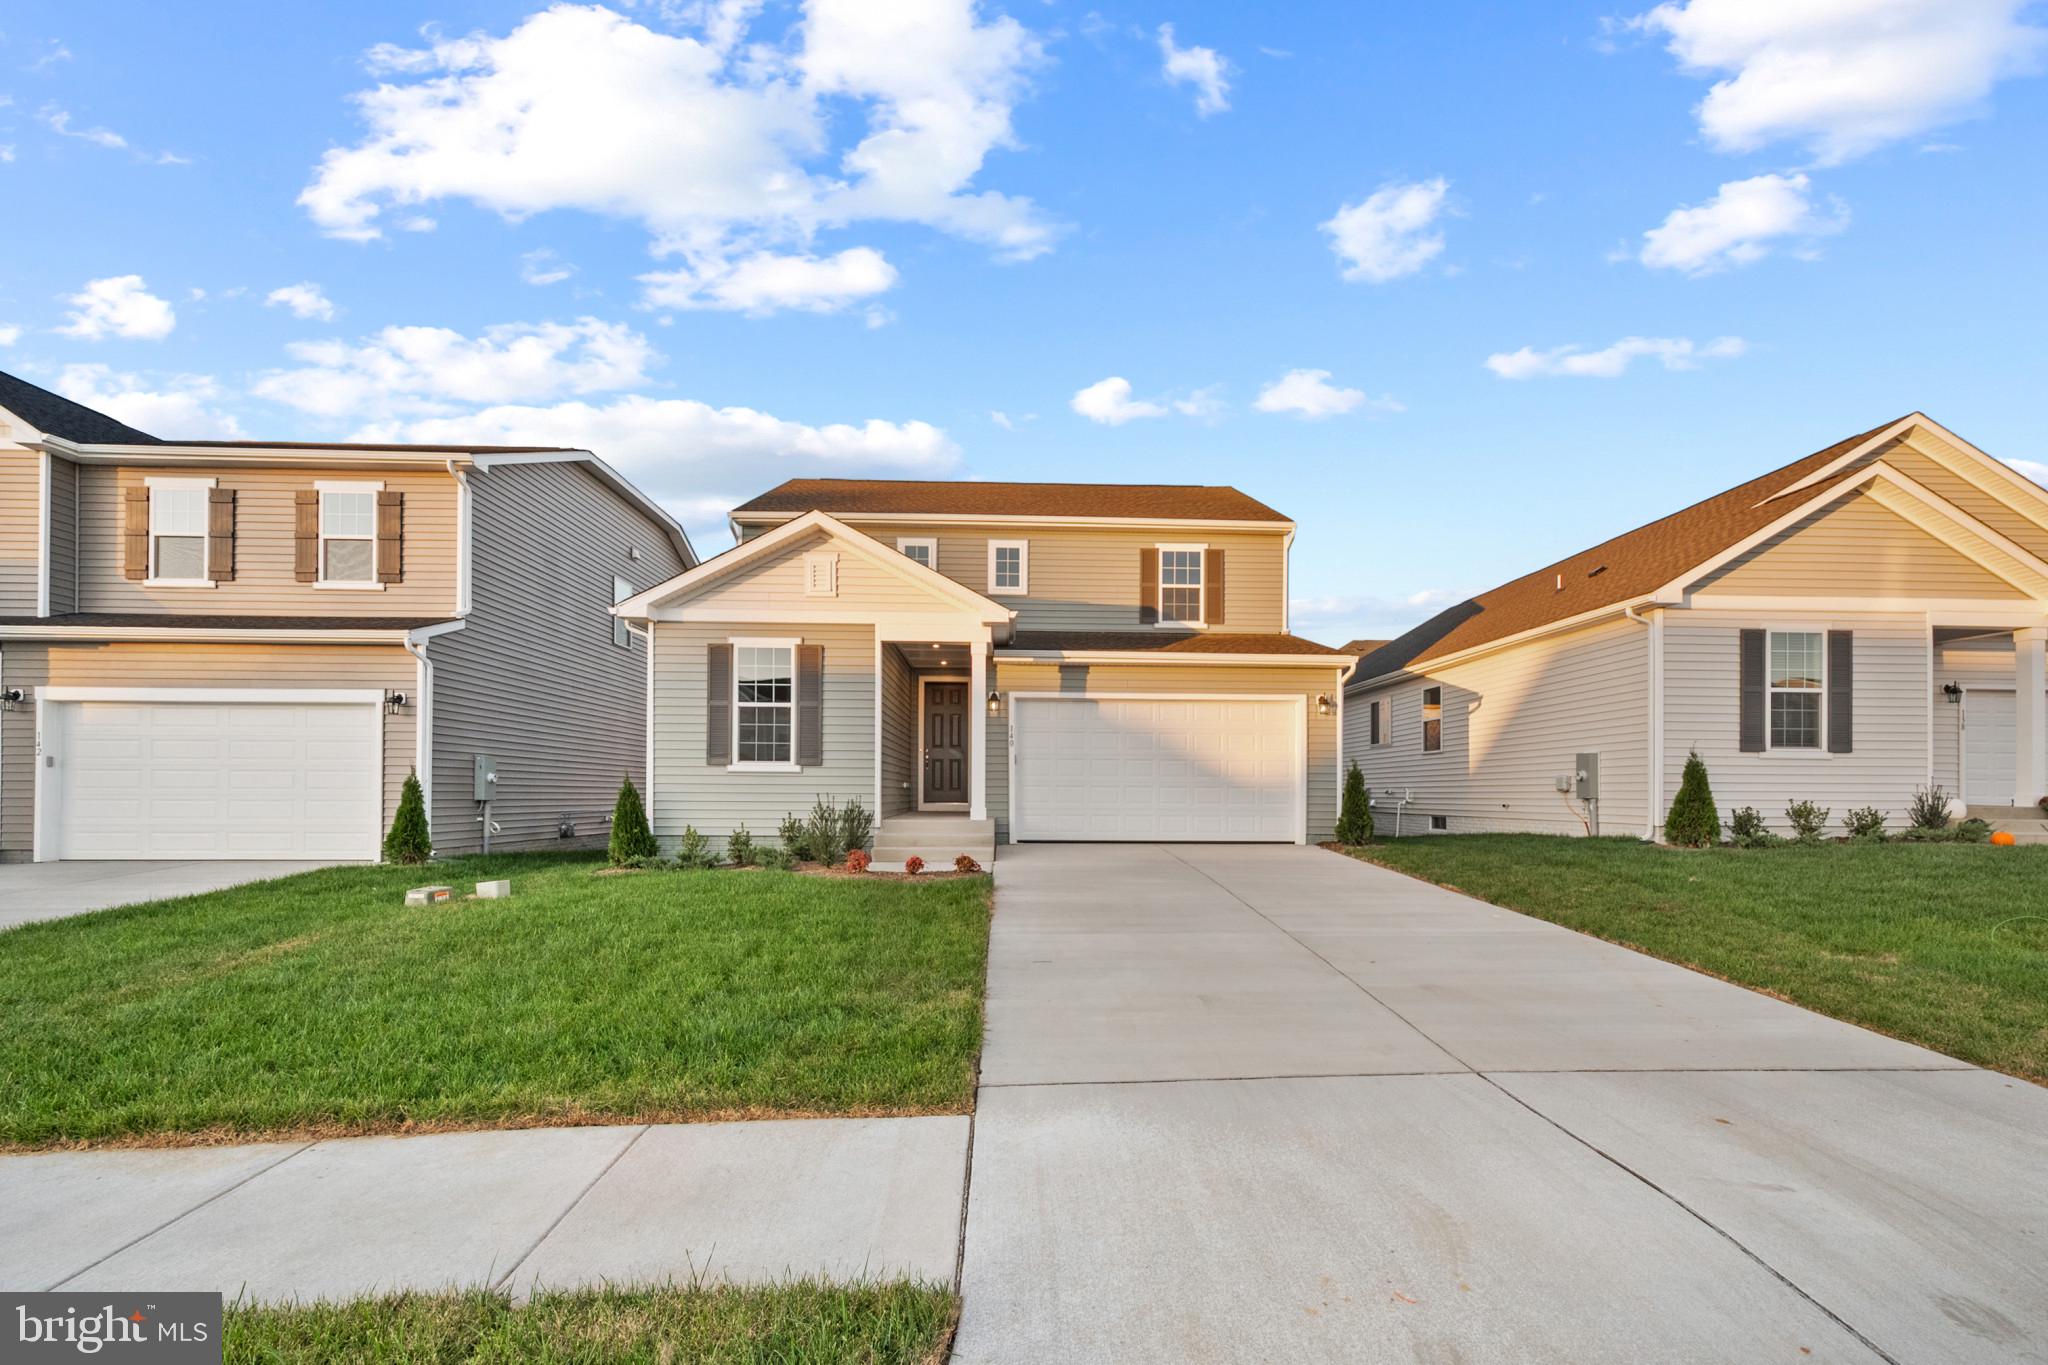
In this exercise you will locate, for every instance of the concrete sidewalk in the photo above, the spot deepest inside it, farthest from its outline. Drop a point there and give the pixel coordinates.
(841, 1198)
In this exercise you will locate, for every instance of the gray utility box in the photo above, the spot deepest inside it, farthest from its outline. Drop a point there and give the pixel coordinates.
(486, 777)
(1588, 779)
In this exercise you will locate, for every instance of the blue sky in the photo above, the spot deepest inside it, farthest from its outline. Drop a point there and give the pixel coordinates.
(1460, 287)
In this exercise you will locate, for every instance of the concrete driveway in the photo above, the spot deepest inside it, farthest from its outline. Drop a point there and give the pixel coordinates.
(1249, 1104)
(35, 891)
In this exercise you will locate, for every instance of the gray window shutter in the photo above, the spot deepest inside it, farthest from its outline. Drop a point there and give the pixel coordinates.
(1752, 723)
(135, 538)
(810, 705)
(1148, 585)
(306, 536)
(717, 705)
(220, 535)
(1841, 691)
(1212, 587)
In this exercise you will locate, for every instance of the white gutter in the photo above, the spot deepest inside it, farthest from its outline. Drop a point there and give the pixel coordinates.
(464, 538)
(1654, 735)
(416, 642)
(202, 634)
(1153, 656)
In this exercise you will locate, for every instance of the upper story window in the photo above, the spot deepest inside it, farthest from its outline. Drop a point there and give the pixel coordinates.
(177, 532)
(1432, 719)
(1009, 566)
(1180, 584)
(622, 635)
(764, 702)
(1797, 683)
(923, 549)
(348, 534)
(1376, 722)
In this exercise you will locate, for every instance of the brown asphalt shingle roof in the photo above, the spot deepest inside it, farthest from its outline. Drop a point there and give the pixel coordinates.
(882, 497)
(1612, 572)
(1166, 642)
(1361, 647)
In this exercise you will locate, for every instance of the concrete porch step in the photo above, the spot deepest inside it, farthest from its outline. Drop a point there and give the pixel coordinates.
(2026, 824)
(936, 838)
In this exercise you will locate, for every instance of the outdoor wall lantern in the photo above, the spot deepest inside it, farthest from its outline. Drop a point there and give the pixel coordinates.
(1324, 706)
(394, 702)
(11, 698)
(995, 703)
(1953, 692)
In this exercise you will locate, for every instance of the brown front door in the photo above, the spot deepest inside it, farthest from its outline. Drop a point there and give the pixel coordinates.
(945, 743)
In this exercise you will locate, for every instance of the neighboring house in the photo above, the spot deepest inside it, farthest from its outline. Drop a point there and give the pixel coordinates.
(1864, 621)
(239, 649)
(987, 662)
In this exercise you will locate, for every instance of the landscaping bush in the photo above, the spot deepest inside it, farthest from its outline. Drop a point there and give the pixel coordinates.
(408, 840)
(821, 833)
(1807, 821)
(631, 838)
(856, 824)
(1928, 809)
(739, 848)
(1971, 831)
(774, 857)
(693, 850)
(1746, 829)
(965, 863)
(857, 860)
(1867, 822)
(913, 865)
(795, 843)
(1693, 822)
(1354, 818)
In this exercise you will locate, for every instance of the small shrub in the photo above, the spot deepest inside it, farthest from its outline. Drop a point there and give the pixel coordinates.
(1928, 809)
(821, 833)
(1354, 820)
(775, 857)
(1866, 822)
(1807, 821)
(1924, 834)
(739, 848)
(913, 865)
(1746, 829)
(408, 840)
(965, 863)
(631, 838)
(856, 824)
(796, 844)
(1693, 821)
(857, 860)
(646, 862)
(1971, 832)
(693, 850)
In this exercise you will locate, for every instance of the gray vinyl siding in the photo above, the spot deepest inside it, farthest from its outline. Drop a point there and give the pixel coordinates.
(1856, 547)
(899, 733)
(1893, 715)
(265, 518)
(1169, 679)
(690, 791)
(1970, 663)
(37, 665)
(534, 678)
(20, 497)
(63, 537)
(1513, 723)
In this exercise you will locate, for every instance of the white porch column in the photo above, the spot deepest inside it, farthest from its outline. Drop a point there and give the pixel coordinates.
(2030, 679)
(977, 731)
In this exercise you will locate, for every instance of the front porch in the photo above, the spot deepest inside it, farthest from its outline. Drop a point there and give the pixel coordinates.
(936, 837)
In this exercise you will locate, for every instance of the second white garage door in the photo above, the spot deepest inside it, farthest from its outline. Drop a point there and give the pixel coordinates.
(150, 778)
(1158, 768)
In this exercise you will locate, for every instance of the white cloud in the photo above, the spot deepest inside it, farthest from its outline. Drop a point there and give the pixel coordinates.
(9, 334)
(1109, 402)
(765, 282)
(1009, 423)
(118, 306)
(178, 406)
(724, 150)
(6, 152)
(1740, 224)
(1388, 235)
(305, 299)
(1842, 76)
(2033, 469)
(1674, 353)
(544, 267)
(1204, 404)
(425, 371)
(1310, 394)
(58, 121)
(1200, 67)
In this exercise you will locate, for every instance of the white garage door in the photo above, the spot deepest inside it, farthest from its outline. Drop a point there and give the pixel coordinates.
(1988, 737)
(176, 779)
(1145, 768)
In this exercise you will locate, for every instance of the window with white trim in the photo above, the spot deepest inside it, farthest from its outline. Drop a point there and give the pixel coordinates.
(923, 549)
(764, 702)
(1180, 584)
(1432, 719)
(622, 635)
(1797, 685)
(1009, 566)
(348, 534)
(178, 511)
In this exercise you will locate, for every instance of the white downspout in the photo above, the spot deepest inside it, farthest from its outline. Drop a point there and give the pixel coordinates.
(423, 721)
(464, 539)
(1654, 768)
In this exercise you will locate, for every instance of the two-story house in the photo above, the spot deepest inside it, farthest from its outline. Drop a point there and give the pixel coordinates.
(239, 649)
(993, 662)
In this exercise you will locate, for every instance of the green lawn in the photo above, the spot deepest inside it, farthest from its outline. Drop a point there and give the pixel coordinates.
(320, 1003)
(1916, 940)
(793, 1324)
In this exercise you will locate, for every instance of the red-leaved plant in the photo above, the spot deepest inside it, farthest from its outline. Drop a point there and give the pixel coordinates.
(857, 860)
(913, 865)
(965, 863)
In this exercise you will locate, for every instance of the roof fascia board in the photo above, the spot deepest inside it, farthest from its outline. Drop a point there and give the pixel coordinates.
(243, 455)
(1111, 656)
(1570, 623)
(975, 519)
(203, 633)
(1843, 461)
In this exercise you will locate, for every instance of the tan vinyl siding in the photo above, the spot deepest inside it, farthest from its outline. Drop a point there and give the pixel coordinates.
(1944, 482)
(1513, 723)
(1893, 712)
(899, 733)
(777, 585)
(264, 583)
(1168, 680)
(63, 537)
(1855, 548)
(20, 497)
(1971, 663)
(37, 665)
(534, 678)
(690, 791)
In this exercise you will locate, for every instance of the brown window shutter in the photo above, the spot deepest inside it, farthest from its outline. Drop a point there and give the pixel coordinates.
(220, 535)
(1841, 691)
(810, 705)
(1148, 585)
(135, 543)
(717, 705)
(1212, 587)
(1750, 726)
(306, 537)
(390, 537)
